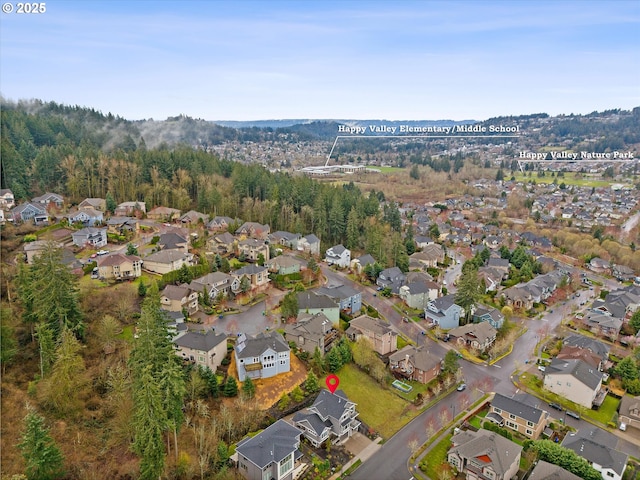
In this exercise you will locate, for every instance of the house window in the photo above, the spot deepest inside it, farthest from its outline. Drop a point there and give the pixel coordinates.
(529, 424)
(511, 425)
(497, 410)
(529, 432)
(512, 416)
(453, 460)
(200, 358)
(610, 474)
(285, 466)
(266, 474)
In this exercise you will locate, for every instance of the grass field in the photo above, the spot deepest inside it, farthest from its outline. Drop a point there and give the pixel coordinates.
(387, 414)
(568, 179)
(437, 456)
(390, 169)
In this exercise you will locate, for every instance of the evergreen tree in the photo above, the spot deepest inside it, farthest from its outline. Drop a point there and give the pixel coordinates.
(333, 360)
(142, 288)
(248, 389)
(353, 229)
(184, 274)
(211, 379)
(311, 383)
(110, 203)
(47, 348)
(469, 287)
(131, 250)
(289, 305)
(8, 345)
(409, 241)
(43, 458)
(230, 387)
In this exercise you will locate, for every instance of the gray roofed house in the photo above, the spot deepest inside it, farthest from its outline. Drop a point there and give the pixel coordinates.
(254, 229)
(349, 300)
(99, 204)
(215, 283)
(521, 417)
(311, 332)
(596, 346)
(194, 217)
(271, 453)
(338, 255)
(332, 416)
(486, 453)
(488, 314)
(592, 444)
(284, 265)
(257, 275)
(575, 380)
(630, 411)
(90, 237)
(286, 239)
(444, 312)
(603, 324)
(418, 294)
(262, 356)
(220, 223)
(391, 278)
(548, 471)
(309, 243)
(359, 264)
(203, 348)
(500, 263)
(171, 241)
(476, 335)
(383, 339)
(166, 261)
(312, 302)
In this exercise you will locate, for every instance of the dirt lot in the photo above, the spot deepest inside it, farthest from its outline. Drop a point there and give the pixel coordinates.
(269, 390)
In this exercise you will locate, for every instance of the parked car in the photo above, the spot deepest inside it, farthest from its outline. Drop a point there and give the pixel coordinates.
(462, 386)
(103, 252)
(573, 414)
(541, 368)
(623, 426)
(556, 406)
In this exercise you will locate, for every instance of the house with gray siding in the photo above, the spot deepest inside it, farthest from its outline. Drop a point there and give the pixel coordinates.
(271, 454)
(309, 244)
(263, 356)
(311, 302)
(349, 300)
(202, 348)
(488, 314)
(90, 237)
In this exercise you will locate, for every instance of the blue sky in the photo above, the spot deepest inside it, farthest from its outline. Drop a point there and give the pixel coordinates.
(404, 60)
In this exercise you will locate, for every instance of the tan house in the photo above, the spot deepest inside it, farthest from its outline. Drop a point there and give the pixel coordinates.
(383, 339)
(202, 348)
(253, 229)
(258, 276)
(252, 248)
(176, 298)
(33, 249)
(122, 225)
(630, 411)
(166, 261)
(311, 332)
(474, 335)
(484, 455)
(163, 214)
(99, 204)
(118, 266)
(574, 380)
(517, 415)
(130, 208)
(416, 364)
(222, 243)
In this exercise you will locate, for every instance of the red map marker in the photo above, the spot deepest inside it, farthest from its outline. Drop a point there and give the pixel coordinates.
(332, 382)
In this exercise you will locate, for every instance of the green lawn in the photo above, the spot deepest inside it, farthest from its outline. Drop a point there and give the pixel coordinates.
(390, 169)
(477, 420)
(436, 457)
(569, 179)
(127, 334)
(379, 408)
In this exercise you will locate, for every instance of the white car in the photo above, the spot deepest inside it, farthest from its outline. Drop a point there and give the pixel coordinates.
(102, 252)
(623, 426)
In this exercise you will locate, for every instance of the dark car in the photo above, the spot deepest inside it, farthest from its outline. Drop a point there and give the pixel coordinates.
(573, 414)
(556, 406)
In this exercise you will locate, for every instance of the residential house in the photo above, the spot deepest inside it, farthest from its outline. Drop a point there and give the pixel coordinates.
(263, 356)
(310, 244)
(383, 339)
(163, 214)
(7, 200)
(603, 324)
(500, 264)
(205, 348)
(222, 243)
(621, 302)
(599, 265)
(311, 302)
(331, 417)
(521, 417)
(415, 363)
(428, 258)
(338, 255)
(33, 249)
(577, 353)
(284, 265)
(311, 332)
(537, 290)
(272, 454)
(90, 237)
(49, 199)
(253, 229)
(491, 277)
(474, 335)
(86, 216)
(548, 471)
(574, 380)
(173, 241)
(258, 276)
(192, 217)
(118, 266)
(391, 278)
(122, 225)
(166, 261)
(99, 204)
(492, 315)
(216, 283)
(29, 211)
(285, 239)
(126, 209)
(623, 273)
(594, 445)
(484, 455)
(444, 312)
(629, 411)
(417, 295)
(252, 248)
(177, 298)
(423, 241)
(360, 263)
(349, 300)
(221, 224)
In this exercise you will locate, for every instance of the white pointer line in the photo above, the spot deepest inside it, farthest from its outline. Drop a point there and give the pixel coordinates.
(413, 136)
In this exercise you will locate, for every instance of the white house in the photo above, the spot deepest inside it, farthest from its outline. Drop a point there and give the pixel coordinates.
(338, 255)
